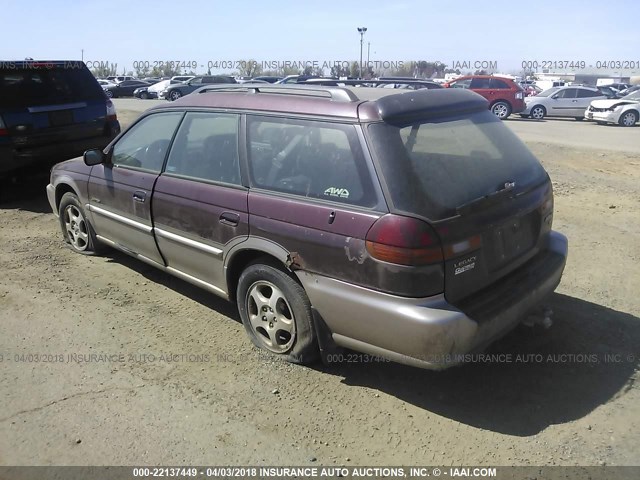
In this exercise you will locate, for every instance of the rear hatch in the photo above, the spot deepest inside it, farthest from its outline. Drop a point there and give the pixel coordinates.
(484, 193)
(44, 103)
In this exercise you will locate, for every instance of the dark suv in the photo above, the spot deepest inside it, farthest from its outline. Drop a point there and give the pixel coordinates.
(503, 94)
(50, 111)
(410, 225)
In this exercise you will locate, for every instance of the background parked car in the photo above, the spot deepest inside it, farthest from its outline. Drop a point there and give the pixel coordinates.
(141, 92)
(119, 78)
(505, 96)
(267, 78)
(174, 92)
(105, 83)
(624, 111)
(50, 113)
(124, 88)
(569, 101)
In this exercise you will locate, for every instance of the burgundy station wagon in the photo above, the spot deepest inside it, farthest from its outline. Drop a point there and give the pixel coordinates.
(409, 225)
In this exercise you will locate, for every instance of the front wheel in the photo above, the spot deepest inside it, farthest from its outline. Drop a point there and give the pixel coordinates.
(501, 109)
(77, 231)
(628, 119)
(175, 95)
(538, 112)
(276, 313)
(144, 95)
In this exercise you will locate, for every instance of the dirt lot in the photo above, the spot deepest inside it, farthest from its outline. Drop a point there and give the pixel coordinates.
(183, 385)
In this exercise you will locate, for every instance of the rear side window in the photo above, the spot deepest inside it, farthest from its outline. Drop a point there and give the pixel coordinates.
(309, 158)
(481, 83)
(584, 93)
(206, 148)
(40, 86)
(499, 84)
(432, 168)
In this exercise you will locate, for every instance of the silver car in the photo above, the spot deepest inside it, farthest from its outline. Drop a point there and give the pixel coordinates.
(569, 101)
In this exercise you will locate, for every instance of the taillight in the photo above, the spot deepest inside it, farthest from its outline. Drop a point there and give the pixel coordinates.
(403, 241)
(519, 95)
(111, 111)
(3, 128)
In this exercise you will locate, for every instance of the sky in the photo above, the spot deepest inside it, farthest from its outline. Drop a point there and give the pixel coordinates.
(210, 32)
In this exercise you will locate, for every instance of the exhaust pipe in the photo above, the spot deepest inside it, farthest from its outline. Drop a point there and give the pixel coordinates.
(543, 316)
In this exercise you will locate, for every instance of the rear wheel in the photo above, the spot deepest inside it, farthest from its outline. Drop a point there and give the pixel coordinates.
(175, 95)
(76, 229)
(538, 112)
(628, 119)
(501, 109)
(276, 313)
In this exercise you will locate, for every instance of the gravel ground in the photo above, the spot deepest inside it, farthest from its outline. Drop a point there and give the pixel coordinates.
(174, 380)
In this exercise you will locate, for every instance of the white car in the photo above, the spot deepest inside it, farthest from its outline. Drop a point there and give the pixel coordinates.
(624, 111)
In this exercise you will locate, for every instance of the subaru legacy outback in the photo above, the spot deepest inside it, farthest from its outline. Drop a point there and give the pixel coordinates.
(409, 225)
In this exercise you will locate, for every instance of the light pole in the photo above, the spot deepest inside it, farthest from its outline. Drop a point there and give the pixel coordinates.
(361, 31)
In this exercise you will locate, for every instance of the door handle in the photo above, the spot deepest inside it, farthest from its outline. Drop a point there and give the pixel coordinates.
(139, 196)
(230, 218)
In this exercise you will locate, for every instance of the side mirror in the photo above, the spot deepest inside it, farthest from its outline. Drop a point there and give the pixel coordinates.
(93, 157)
(554, 97)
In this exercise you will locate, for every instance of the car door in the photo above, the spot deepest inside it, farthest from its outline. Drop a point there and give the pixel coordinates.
(564, 103)
(482, 86)
(199, 203)
(312, 193)
(584, 98)
(120, 189)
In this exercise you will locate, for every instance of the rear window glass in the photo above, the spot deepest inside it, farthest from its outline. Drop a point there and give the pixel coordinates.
(32, 87)
(432, 168)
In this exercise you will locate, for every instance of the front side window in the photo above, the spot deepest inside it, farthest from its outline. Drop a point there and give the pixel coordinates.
(309, 158)
(462, 83)
(145, 144)
(206, 148)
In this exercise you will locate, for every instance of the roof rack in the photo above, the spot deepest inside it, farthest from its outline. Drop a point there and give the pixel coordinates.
(332, 93)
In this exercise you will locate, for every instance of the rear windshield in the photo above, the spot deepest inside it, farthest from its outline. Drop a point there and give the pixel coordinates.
(34, 87)
(432, 168)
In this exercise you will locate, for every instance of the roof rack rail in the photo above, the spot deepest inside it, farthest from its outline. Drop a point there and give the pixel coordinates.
(332, 93)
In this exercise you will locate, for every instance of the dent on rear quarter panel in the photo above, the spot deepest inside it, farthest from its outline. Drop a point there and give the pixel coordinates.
(337, 249)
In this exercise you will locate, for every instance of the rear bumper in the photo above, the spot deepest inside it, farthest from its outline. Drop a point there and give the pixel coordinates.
(12, 159)
(430, 332)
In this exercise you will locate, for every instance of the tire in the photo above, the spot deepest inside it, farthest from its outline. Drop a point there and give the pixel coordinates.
(144, 95)
(628, 119)
(76, 229)
(501, 109)
(276, 313)
(538, 112)
(175, 95)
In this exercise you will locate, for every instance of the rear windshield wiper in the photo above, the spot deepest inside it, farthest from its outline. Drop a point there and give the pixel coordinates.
(487, 200)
